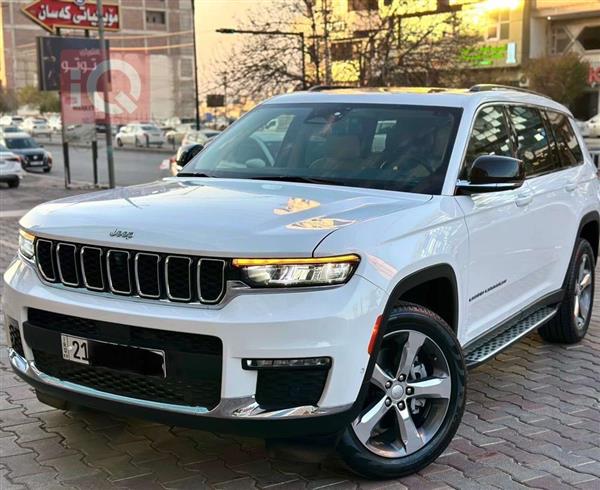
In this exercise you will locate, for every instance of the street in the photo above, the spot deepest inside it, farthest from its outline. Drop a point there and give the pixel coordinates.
(132, 166)
(531, 421)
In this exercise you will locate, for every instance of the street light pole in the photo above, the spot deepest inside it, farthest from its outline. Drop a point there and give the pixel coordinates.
(195, 67)
(274, 33)
(106, 59)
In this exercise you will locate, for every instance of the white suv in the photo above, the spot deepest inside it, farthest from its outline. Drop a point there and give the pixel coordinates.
(333, 272)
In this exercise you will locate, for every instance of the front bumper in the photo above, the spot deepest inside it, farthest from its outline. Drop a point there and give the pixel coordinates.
(335, 323)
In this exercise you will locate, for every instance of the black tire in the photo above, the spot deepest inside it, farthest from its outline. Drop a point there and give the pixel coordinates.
(147, 141)
(137, 143)
(119, 143)
(13, 184)
(47, 170)
(413, 318)
(565, 328)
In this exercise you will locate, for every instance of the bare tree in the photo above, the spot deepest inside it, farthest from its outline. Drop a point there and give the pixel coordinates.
(392, 46)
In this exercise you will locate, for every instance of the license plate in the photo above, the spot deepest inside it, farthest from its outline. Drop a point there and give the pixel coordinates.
(75, 349)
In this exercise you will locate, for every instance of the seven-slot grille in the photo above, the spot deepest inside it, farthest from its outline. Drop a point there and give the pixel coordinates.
(132, 273)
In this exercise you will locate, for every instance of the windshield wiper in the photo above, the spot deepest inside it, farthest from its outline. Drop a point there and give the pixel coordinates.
(192, 174)
(296, 178)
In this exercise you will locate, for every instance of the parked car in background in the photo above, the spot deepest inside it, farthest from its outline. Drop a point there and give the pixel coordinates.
(139, 134)
(11, 170)
(55, 123)
(36, 126)
(9, 129)
(591, 127)
(33, 155)
(10, 120)
(175, 136)
(202, 136)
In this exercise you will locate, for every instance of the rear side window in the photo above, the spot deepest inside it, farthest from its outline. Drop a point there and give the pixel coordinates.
(532, 141)
(490, 136)
(568, 147)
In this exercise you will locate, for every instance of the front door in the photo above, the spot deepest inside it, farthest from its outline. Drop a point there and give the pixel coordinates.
(502, 257)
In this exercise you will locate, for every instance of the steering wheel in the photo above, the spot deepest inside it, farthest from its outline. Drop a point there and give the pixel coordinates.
(414, 162)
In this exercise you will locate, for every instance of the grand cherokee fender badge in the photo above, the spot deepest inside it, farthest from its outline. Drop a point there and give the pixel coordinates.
(122, 234)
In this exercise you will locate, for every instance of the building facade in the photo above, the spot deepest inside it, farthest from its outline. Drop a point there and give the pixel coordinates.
(162, 29)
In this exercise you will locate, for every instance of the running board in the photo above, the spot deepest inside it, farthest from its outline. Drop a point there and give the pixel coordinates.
(495, 345)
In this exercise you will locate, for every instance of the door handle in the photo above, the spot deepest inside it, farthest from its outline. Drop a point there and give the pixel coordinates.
(571, 186)
(523, 199)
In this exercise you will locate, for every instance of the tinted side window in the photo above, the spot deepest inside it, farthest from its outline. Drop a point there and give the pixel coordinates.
(566, 141)
(532, 140)
(490, 136)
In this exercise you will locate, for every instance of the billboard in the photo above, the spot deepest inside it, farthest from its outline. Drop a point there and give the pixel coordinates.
(49, 49)
(83, 75)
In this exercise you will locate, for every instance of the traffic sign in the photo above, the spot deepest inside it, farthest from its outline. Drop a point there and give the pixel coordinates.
(71, 14)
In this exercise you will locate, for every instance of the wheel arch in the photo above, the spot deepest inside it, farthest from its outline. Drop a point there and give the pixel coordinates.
(414, 288)
(589, 228)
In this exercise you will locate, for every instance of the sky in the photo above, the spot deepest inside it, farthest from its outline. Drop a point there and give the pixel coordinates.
(212, 14)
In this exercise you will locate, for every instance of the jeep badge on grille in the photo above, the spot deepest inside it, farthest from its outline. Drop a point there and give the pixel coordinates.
(122, 234)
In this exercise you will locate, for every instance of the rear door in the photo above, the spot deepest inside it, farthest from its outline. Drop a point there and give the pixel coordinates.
(502, 258)
(552, 216)
(572, 181)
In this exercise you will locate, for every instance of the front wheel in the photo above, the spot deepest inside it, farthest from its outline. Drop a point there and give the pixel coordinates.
(415, 399)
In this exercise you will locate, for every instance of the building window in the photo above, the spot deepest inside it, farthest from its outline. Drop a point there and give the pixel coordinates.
(560, 40)
(498, 26)
(354, 5)
(589, 38)
(156, 17)
(342, 50)
(186, 68)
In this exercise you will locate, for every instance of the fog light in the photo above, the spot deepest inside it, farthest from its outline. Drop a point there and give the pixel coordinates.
(305, 362)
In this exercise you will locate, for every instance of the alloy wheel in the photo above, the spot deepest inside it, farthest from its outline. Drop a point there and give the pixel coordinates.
(408, 397)
(583, 291)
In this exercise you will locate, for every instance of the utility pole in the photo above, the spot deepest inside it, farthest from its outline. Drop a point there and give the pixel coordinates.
(197, 98)
(106, 60)
(326, 42)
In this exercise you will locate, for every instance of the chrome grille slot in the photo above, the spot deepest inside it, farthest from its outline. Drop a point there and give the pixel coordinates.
(178, 278)
(211, 280)
(119, 277)
(66, 258)
(44, 252)
(140, 274)
(91, 268)
(147, 275)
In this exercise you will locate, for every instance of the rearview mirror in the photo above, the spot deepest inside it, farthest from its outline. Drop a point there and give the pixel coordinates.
(493, 173)
(186, 153)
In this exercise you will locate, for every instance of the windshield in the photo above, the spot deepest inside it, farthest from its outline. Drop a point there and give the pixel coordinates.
(150, 128)
(404, 148)
(21, 143)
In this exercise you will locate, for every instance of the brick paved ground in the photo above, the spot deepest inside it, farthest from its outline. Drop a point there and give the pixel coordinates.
(532, 420)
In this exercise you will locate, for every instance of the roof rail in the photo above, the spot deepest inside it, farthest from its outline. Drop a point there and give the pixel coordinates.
(483, 87)
(321, 88)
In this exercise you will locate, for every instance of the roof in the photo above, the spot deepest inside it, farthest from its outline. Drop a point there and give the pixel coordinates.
(418, 96)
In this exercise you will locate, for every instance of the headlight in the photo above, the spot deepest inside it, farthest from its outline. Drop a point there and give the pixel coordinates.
(303, 272)
(26, 244)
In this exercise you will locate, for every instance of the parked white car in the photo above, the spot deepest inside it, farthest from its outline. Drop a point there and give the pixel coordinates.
(11, 171)
(36, 126)
(139, 134)
(10, 120)
(591, 127)
(317, 281)
(201, 137)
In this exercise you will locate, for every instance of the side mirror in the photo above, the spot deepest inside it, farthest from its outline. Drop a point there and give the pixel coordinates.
(493, 173)
(186, 153)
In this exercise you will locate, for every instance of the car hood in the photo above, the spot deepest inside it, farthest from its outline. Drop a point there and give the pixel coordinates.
(218, 217)
(28, 151)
